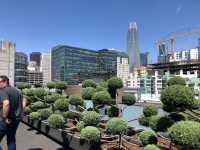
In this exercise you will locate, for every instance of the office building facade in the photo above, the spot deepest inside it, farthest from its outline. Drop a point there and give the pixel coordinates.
(144, 59)
(7, 60)
(46, 67)
(36, 56)
(21, 64)
(74, 64)
(133, 46)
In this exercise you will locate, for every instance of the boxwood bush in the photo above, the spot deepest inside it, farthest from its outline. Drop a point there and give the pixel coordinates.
(61, 104)
(53, 97)
(151, 147)
(76, 100)
(28, 92)
(87, 93)
(34, 116)
(56, 121)
(45, 113)
(150, 110)
(80, 125)
(148, 137)
(37, 105)
(89, 83)
(144, 120)
(71, 115)
(40, 92)
(176, 81)
(91, 134)
(113, 111)
(102, 97)
(186, 133)
(91, 118)
(28, 110)
(128, 99)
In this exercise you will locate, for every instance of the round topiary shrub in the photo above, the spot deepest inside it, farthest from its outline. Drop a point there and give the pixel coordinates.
(113, 111)
(34, 116)
(128, 99)
(22, 86)
(102, 97)
(177, 116)
(100, 88)
(144, 120)
(71, 115)
(45, 113)
(80, 125)
(153, 122)
(87, 93)
(56, 121)
(186, 134)
(151, 147)
(150, 110)
(61, 104)
(28, 92)
(117, 126)
(177, 98)
(40, 92)
(89, 83)
(53, 97)
(28, 110)
(51, 85)
(91, 134)
(176, 81)
(114, 83)
(76, 100)
(148, 137)
(91, 118)
(164, 123)
(37, 105)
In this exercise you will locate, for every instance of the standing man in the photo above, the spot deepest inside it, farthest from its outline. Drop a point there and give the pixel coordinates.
(17, 105)
(4, 111)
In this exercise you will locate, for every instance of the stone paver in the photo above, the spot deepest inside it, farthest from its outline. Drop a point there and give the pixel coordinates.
(28, 139)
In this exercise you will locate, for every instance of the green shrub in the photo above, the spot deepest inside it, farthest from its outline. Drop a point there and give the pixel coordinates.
(45, 113)
(91, 134)
(28, 110)
(60, 85)
(51, 85)
(71, 115)
(128, 99)
(153, 121)
(186, 133)
(80, 125)
(148, 137)
(196, 104)
(177, 98)
(177, 117)
(102, 97)
(151, 147)
(28, 92)
(89, 83)
(53, 97)
(100, 88)
(103, 84)
(114, 83)
(61, 104)
(34, 116)
(87, 93)
(117, 126)
(37, 105)
(56, 121)
(40, 92)
(113, 111)
(76, 100)
(91, 118)
(176, 81)
(150, 110)
(22, 86)
(144, 120)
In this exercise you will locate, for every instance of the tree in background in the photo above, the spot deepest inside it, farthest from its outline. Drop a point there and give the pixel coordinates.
(114, 83)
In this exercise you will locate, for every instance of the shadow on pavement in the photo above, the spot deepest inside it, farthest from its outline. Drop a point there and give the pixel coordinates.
(35, 149)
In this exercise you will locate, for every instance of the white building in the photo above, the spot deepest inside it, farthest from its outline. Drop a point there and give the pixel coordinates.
(7, 60)
(46, 67)
(122, 68)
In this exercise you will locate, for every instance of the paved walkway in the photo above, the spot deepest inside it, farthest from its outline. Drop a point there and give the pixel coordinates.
(28, 139)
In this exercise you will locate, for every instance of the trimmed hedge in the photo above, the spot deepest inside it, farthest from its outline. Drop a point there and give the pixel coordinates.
(89, 83)
(53, 97)
(176, 81)
(186, 133)
(144, 120)
(150, 110)
(76, 100)
(113, 111)
(128, 99)
(34, 116)
(37, 105)
(148, 137)
(61, 104)
(45, 113)
(91, 118)
(102, 97)
(56, 121)
(87, 93)
(80, 125)
(91, 134)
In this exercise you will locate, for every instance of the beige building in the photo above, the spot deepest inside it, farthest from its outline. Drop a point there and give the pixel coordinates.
(7, 60)
(46, 67)
(122, 68)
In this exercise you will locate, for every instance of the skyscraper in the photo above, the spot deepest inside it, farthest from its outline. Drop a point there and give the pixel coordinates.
(36, 56)
(133, 46)
(7, 60)
(46, 67)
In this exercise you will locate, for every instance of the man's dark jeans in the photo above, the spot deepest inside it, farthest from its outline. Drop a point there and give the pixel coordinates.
(10, 131)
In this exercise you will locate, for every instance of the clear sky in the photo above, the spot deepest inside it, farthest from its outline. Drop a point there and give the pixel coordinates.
(38, 25)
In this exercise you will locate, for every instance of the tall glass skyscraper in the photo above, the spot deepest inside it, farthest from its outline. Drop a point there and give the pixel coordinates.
(133, 46)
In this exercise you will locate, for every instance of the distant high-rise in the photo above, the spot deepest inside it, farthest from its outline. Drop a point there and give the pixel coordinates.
(7, 60)
(36, 56)
(144, 59)
(46, 67)
(133, 46)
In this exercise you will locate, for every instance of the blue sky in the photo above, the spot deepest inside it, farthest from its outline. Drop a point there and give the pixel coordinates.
(38, 25)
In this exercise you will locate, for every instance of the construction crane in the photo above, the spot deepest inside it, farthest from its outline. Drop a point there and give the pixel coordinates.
(166, 45)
